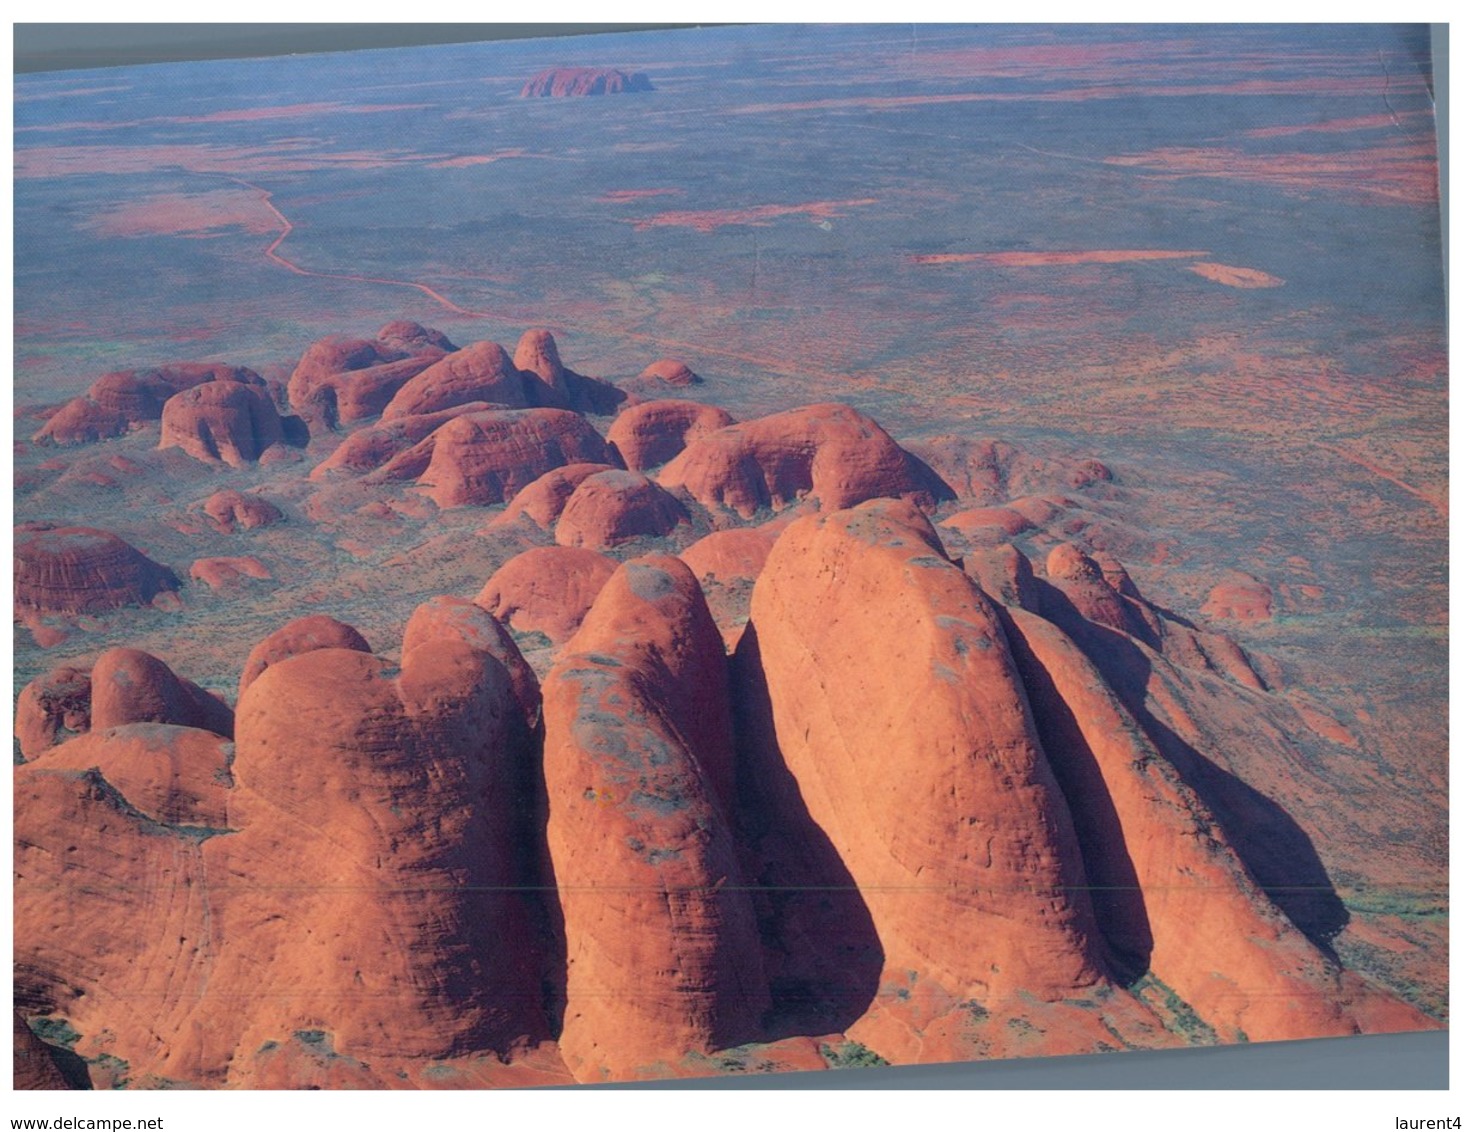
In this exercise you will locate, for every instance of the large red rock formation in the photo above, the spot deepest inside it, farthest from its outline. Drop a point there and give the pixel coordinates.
(1240, 598)
(409, 336)
(726, 555)
(547, 590)
(478, 372)
(113, 907)
(221, 422)
(553, 385)
(537, 356)
(341, 379)
(132, 686)
(396, 925)
(226, 572)
(233, 510)
(827, 455)
(899, 713)
(655, 432)
(562, 82)
(1081, 581)
(663, 954)
(1005, 573)
(53, 708)
(352, 880)
(487, 457)
(448, 618)
(986, 525)
(84, 570)
(1171, 894)
(614, 507)
(315, 631)
(116, 402)
(372, 447)
(670, 372)
(543, 499)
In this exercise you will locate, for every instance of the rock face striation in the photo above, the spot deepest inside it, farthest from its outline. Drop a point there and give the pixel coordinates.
(221, 422)
(84, 570)
(565, 82)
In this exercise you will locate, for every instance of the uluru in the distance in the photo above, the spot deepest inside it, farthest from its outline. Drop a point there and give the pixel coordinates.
(572, 82)
(511, 594)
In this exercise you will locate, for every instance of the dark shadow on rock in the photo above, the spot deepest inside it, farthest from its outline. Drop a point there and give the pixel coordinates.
(1114, 885)
(294, 432)
(535, 877)
(1273, 847)
(822, 955)
(923, 474)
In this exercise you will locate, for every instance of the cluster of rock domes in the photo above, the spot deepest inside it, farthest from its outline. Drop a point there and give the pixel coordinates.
(814, 778)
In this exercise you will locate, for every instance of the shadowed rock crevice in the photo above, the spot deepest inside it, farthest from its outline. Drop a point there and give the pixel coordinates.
(823, 957)
(1114, 884)
(1273, 847)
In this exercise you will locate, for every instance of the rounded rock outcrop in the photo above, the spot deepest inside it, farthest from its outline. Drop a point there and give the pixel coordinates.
(547, 590)
(577, 82)
(826, 455)
(340, 379)
(315, 631)
(383, 442)
(671, 372)
(1241, 598)
(399, 924)
(543, 499)
(84, 570)
(904, 721)
(174, 774)
(611, 508)
(480, 372)
(221, 422)
(52, 709)
(536, 354)
(655, 432)
(487, 457)
(117, 402)
(132, 686)
(639, 762)
(232, 510)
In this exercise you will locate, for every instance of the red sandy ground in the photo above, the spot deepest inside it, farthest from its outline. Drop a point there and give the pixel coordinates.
(174, 214)
(1236, 276)
(624, 196)
(761, 214)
